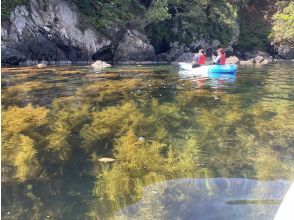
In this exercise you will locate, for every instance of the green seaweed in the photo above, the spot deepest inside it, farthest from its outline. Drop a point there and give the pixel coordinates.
(18, 149)
(190, 131)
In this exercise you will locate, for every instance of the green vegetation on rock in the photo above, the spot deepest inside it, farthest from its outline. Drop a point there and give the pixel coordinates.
(254, 32)
(232, 22)
(8, 6)
(283, 27)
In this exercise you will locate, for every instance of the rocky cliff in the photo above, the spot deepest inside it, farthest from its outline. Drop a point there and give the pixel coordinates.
(51, 33)
(58, 30)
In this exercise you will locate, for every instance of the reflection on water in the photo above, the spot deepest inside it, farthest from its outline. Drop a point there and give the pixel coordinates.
(213, 198)
(213, 80)
(160, 128)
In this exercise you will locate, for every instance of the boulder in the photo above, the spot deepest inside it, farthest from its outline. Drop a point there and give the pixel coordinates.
(229, 51)
(285, 51)
(11, 56)
(248, 55)
(270, 59)
(246, 62)
(259, 59)
(265, 61)
(176, 51)
(134, 47)
(254, 61)
(41, 65)
(233, 60)
(99, 65)
(186, 57)
(106, 160)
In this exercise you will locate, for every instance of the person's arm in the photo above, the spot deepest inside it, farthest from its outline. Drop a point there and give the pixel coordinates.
(213, 58)
(216, 59)
(196, 58)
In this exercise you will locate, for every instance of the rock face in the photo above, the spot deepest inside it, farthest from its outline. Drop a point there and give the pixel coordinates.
(134, 47)
(286, 51)
(183, 53)
(105, 53)
(11, 56)
(259, 59)
(186, 57)
(176, 51)
(48, 32)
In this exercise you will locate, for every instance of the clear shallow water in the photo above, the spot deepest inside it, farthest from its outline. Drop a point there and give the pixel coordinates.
(177, 141)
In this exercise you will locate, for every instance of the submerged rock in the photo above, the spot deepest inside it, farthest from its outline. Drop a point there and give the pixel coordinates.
(99, 65)
(141, 139)
(41, 65)
(106, 160)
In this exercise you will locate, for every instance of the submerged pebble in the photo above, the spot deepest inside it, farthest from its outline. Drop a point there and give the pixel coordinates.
(106, 159)
(41, 65)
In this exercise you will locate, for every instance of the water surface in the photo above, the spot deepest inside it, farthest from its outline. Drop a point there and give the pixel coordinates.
(185, 147)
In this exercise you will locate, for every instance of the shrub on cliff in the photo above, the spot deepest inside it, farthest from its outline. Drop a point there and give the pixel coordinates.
(283, 26)
(8, 5)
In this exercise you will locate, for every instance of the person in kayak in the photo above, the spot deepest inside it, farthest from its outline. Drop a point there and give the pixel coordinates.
(199, 59)
(221, 57)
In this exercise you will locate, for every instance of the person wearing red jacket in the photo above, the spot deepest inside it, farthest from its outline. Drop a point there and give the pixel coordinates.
(199, 58)
(221, 57)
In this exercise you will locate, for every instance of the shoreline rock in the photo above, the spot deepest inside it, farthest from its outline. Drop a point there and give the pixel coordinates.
(258, 58)
(233, 60)
(186, 57)
(41, 65)
(11, 56)
(285, 51)
(99, 65)
(142, 63)
(134, 47)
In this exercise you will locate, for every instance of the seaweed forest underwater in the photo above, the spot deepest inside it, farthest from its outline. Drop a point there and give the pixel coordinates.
(81, 145)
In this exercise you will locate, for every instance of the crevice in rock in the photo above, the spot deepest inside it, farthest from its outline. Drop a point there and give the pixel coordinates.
(106, 53)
